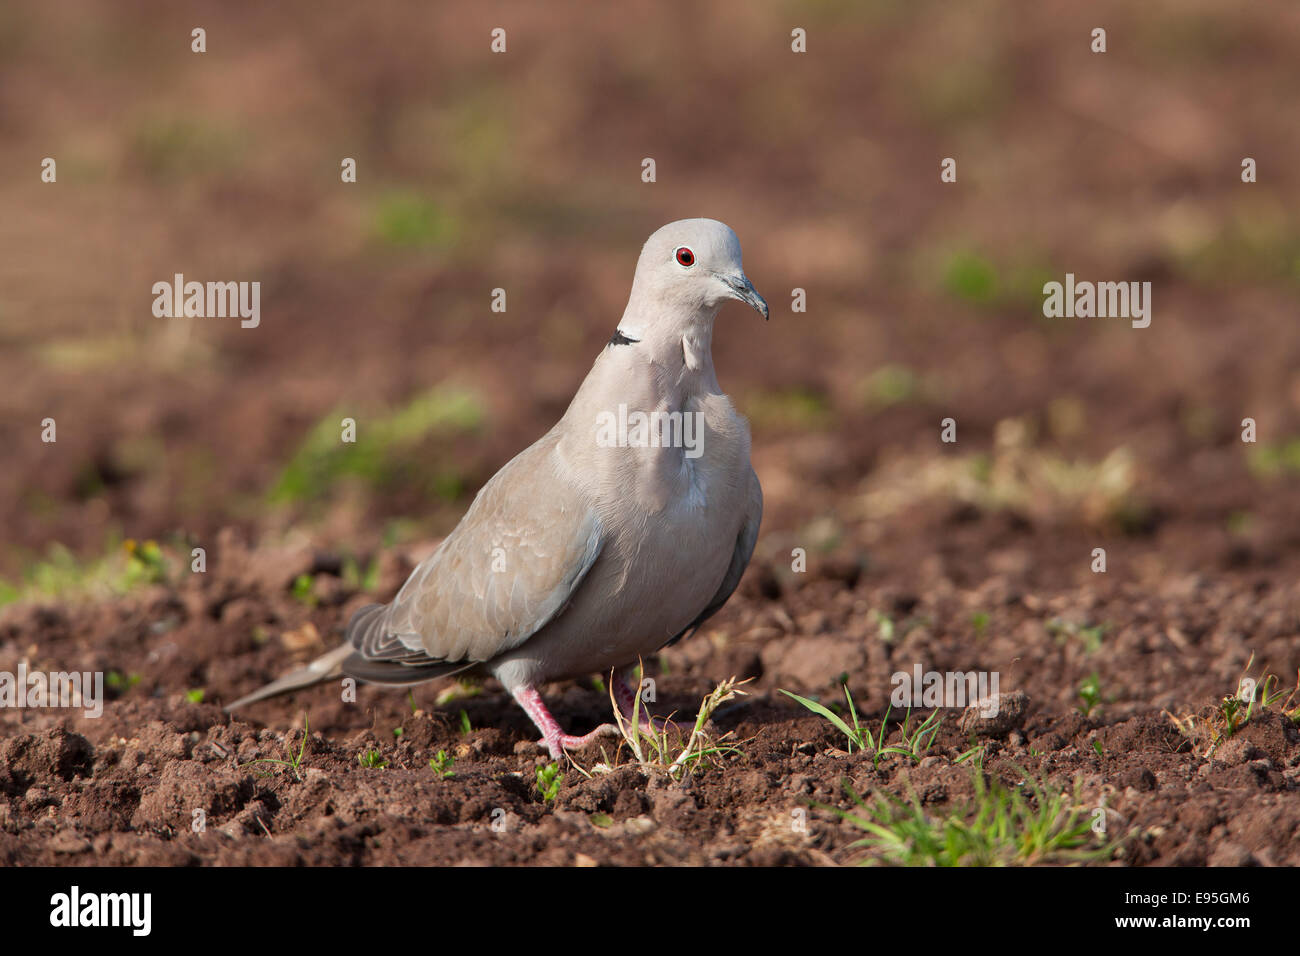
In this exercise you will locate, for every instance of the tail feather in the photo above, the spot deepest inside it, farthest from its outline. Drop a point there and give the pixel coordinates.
(399, 665)
(390, 674)
(381, 657)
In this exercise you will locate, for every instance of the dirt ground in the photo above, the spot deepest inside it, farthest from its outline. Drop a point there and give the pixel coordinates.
(523, 173)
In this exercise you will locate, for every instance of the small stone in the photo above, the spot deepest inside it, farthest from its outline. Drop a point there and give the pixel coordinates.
(1011, 711)
(639, 826)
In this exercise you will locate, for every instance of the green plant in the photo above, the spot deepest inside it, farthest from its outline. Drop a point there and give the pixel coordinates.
(125, 565)
(372, 759)
(465, 728)
(653, 746)
(195, 696)
(1091, 636)
(1236, 710)
(407, 219)
(119, 682)
(463, 689)
(1090, 692)
(1030, 824)
(858, 734)
(380, 456)
(548, 781)
(801, 408)
(969, 276)
(144, 563)
(914, 743)
(890, 385)
(1267, 461)
(359, 580)
(294, 762)
(442, 764)
(302, 590)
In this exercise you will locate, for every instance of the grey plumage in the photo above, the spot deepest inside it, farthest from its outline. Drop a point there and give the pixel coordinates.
(584, 554)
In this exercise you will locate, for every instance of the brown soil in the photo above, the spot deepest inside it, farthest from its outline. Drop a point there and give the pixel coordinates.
(1122, 167)
(124, 789)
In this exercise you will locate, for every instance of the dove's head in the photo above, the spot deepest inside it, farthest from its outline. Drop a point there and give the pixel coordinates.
(690, 267)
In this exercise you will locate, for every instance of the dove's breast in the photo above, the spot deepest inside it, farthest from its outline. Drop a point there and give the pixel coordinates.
(670, 523)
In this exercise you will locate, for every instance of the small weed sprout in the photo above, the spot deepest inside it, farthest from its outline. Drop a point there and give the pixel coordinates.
(144, 563)
(463, 689)
(302, 590)
(1233, 712)
(442, 764)
(1033, 823)
(975, 754)
(294, 762)
(654, 748)
(1089, 635)
(548, 781)
(914, 743)
(372, 759)
(1090, 693)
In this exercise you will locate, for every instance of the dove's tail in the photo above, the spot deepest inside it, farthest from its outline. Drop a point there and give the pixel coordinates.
(350, 659)
(323, 668)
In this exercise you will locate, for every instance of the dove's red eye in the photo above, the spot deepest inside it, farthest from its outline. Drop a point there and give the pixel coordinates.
(685, 256)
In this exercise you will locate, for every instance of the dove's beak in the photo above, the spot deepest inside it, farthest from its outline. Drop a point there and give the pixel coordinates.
(741, 288)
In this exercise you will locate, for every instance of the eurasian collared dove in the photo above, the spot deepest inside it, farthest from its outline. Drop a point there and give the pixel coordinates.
(613, 535)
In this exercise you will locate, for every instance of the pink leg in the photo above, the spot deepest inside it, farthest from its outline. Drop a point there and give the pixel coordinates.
(626, 697)
(553, 736)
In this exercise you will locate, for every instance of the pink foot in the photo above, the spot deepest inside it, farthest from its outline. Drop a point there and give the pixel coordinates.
(554, 739)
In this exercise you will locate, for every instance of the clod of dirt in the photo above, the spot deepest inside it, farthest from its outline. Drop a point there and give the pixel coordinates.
(269, 569)
(1011, 710)
(186, 786)
(43, 758)
(1237, 750)
(1139, 778)
(810, 663)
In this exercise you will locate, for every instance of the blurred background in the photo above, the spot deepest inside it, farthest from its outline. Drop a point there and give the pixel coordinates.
(523, 171)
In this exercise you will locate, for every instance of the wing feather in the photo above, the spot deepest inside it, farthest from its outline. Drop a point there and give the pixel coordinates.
(510, 566)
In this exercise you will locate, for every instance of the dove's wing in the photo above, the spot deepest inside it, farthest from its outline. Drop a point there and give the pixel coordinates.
(745, 542)
(509, 567)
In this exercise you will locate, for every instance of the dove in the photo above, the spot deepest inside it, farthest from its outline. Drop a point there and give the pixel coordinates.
(618, 532)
